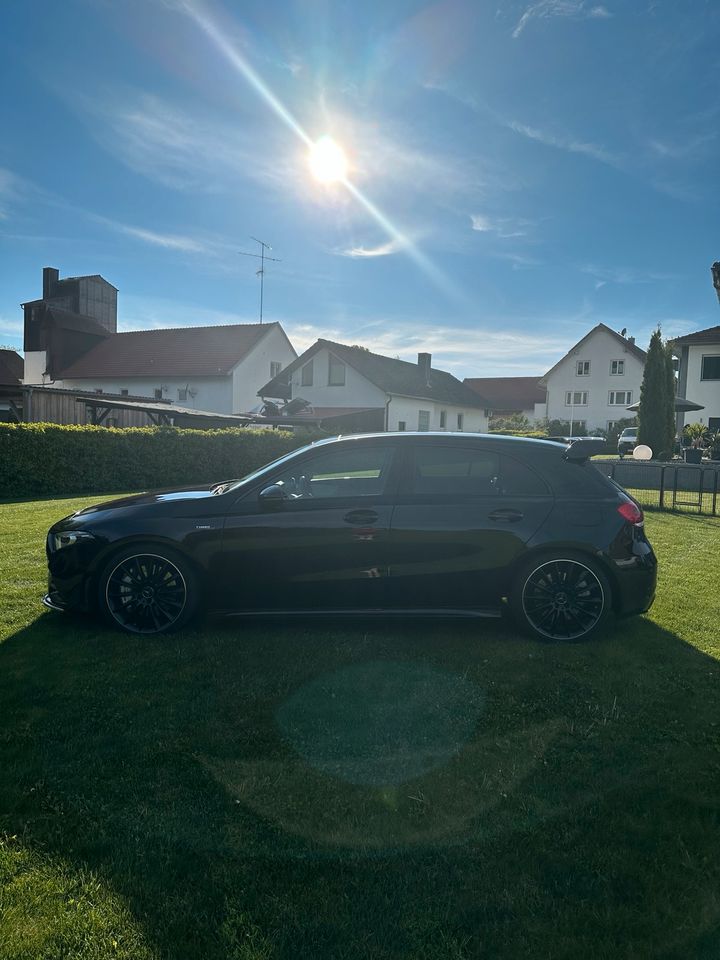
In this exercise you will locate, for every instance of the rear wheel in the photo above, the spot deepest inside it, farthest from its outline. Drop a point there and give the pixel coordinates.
(148, 589)
(566, 597)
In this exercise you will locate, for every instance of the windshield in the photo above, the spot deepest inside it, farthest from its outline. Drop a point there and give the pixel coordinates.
(267, 468)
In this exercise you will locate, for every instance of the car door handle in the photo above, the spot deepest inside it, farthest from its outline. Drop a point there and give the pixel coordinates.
(506, 516)
(361, 518)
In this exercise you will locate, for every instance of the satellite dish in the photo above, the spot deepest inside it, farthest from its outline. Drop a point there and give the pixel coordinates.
(642, 452)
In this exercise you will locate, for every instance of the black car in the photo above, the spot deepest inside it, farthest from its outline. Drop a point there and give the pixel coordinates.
(404, 523)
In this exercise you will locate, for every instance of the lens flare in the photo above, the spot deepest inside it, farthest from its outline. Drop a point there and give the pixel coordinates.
(328, 161)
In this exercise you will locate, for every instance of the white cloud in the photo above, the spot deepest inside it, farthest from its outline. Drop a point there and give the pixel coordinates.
(477, 351)
(506, 228)
(624, 275)
(573, 9)
(169, 241)
(482, 223)
(182, 148)
(382, 250)
(564, 142)
(691, 147)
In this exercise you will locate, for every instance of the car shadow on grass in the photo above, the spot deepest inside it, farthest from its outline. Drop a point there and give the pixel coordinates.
(366, 789)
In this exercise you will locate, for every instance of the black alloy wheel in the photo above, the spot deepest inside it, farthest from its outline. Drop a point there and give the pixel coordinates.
(563, 598)
(148, 591)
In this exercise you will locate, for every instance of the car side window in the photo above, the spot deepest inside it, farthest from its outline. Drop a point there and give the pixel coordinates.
(516, 479)
(448, 471)
(360, 471)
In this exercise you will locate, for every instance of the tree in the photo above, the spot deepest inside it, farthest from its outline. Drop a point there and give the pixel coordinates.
(656, 420)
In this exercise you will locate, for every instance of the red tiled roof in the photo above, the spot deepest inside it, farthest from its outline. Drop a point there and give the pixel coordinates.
(11, 368)
(709, 335)
(508, 393)
(178, 352)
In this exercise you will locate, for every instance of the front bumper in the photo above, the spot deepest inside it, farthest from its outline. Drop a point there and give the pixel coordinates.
(52, 604)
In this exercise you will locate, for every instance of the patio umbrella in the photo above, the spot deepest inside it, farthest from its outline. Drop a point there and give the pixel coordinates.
(681, 406)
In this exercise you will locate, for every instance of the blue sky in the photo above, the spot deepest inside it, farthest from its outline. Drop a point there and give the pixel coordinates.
(519, 171)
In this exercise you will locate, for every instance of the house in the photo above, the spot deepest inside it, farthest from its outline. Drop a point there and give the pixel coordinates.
(699, 372)
(11, 374)
(596, 380)
(381, 393)
(511, 395)
(71, 342)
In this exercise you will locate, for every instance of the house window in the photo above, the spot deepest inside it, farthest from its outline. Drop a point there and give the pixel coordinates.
(423, 419)
(583, 368)
(336, 372)
(460, 420)
(710, 368)
(158, 393)
(306, 375)
(275, 368)
(579, 427)
(617, 368)
(620, 398)
(182, 394)
(576, 398)
(443, 419)
(713, 424)
(124, 392)
(401, 425)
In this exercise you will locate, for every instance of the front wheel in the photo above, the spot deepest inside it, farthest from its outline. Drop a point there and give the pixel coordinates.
(148, 589)
(566, 598)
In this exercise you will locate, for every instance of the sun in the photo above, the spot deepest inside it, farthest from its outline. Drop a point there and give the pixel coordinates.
(328, 161)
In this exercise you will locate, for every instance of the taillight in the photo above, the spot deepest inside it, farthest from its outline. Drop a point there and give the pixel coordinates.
(631, 512)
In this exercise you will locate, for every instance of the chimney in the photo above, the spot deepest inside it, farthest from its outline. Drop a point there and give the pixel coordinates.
(50, 278)
(424, 361)
(631, 339)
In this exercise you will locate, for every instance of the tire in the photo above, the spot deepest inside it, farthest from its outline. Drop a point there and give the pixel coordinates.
(563, 597)
(148, 589)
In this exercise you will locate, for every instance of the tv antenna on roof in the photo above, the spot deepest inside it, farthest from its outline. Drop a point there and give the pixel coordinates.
(262, 257)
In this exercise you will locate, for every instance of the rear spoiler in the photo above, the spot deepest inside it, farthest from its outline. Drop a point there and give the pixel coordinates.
(581, 450)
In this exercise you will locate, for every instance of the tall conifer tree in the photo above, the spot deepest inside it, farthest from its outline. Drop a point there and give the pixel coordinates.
(656, 425)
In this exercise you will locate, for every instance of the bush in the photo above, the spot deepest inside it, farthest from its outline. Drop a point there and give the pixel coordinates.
(510, 424)
(46, 459)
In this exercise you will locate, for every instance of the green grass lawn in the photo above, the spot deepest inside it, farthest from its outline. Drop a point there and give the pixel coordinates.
(369, 790)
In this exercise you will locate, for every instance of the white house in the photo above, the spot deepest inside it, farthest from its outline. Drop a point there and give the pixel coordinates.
(699, 373)
(71, 342)
(209, 368)
(596, 380)
(380, 392)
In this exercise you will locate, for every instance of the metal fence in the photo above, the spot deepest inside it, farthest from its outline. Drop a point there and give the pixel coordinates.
(667, 486)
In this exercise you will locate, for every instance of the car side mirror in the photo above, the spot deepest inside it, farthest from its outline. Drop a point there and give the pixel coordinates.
(272, 495)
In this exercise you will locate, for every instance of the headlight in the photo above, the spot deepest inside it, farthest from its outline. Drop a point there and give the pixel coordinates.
(67, 538)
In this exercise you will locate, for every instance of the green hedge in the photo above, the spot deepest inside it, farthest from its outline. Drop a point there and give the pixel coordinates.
(45, 459)
(534, 434)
